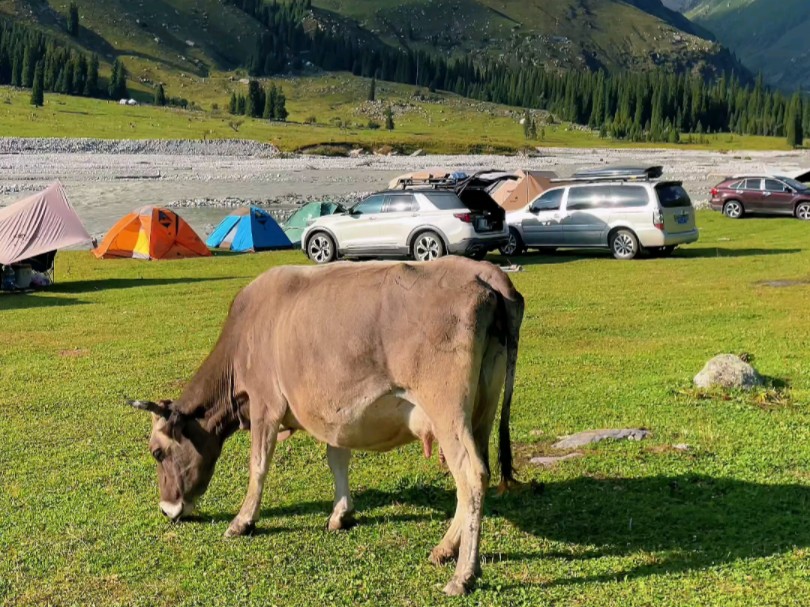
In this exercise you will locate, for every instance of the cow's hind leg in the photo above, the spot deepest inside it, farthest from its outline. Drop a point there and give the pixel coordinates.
(342, 516)
(470, 474)
(263, 435)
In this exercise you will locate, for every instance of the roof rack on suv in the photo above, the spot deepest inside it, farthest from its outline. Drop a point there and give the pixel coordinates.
(615, 173)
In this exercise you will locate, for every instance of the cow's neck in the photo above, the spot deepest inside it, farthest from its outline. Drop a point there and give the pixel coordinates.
(210, 396)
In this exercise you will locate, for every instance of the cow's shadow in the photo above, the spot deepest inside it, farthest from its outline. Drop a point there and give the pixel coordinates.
(689, 521)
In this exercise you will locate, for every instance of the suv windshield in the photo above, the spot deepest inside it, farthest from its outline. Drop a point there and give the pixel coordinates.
(672, 196)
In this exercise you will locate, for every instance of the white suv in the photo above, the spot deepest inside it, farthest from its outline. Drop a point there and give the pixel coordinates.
(420, 224)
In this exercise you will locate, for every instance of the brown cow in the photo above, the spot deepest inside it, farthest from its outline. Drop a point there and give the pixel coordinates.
(361, 356)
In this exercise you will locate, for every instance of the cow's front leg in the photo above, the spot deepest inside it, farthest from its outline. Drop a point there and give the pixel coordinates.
(263, 437)
(342, 516)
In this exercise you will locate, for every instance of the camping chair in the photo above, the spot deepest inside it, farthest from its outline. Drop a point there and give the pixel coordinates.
(44, 264)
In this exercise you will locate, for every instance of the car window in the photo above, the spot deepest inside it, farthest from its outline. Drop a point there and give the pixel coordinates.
(369, 206)
(753, 184)
(549, 201)
(582, 199)
(445, 201)
(399, 203)
(737, 185)
(796, 185)
(624, 196)
(673, 196)
(772, 185)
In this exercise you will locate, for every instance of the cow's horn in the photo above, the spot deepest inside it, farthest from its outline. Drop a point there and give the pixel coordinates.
(147, 405)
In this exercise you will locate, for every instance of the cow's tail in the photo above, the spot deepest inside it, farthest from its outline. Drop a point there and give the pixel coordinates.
(512, 315)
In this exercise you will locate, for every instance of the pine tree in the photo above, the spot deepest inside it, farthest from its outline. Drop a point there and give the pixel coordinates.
(795, 130)
(233, 104)
(389, 119)
(91, 86)
(269, 112)
(241, 105)
(38, 90)
(118, 81)
(527, 121)
(280, 111)
(73, 20)
(28, 67)
(160, 95)
(372, 90)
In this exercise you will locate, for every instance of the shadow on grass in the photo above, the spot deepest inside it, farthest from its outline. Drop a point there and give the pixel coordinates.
(692, 522)
(104, 284)
(724, 252)
(22, 301)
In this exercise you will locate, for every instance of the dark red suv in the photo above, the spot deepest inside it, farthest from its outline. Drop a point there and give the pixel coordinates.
(761, 195)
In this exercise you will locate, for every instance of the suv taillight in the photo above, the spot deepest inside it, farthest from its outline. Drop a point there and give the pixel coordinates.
(465, 217)
(715, 192)
(658, 219)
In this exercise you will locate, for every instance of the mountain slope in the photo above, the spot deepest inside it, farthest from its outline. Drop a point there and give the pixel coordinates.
(203, 35)
(767, 37)
(568, 34)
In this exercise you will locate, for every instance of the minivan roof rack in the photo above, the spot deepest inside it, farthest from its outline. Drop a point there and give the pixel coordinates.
(615, 173)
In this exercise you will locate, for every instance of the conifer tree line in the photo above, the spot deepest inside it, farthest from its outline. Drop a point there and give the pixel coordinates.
(258, 103)
(651, 106)
(23, 50)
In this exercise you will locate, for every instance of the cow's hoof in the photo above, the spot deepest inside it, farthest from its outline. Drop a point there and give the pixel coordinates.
(342, 522)
(441, 555)
(238, 528)
(456, 587)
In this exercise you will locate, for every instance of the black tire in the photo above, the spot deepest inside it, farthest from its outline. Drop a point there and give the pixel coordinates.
(624, 244)
(661, 252)
(803, 211)
(427, 246)
(321, 248)
(733, 209)
(479, 255)
(515, 245)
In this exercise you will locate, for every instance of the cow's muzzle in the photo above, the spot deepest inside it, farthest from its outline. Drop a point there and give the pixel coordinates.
(176, 510)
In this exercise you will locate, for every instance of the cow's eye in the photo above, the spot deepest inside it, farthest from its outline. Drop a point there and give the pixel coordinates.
(158, 455)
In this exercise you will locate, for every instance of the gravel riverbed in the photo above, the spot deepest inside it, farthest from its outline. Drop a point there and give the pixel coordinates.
(204, 180)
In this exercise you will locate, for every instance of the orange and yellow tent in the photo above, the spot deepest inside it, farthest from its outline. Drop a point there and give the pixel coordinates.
(151, 233)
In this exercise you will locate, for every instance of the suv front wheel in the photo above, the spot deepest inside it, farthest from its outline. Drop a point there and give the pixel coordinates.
(321, 248)
(624, 244)
(427, 246)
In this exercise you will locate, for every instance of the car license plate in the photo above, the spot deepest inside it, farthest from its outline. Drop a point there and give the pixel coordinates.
(682, 219)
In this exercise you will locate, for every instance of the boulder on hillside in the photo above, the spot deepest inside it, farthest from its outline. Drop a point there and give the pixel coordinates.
(730, 372)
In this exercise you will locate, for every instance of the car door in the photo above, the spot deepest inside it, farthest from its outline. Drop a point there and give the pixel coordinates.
(398, 218)
(541, 227)
(778, 197)
(752, 195)
(587, 210)
(358, 233)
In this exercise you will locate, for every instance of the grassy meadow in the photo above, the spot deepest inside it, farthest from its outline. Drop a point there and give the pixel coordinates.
(604, 344)
(336, 107)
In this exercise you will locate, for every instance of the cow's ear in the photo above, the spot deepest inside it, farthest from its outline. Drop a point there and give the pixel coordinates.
(161, 409)
(175, 425)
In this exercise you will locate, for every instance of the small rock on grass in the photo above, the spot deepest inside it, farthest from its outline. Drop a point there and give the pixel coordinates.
(581, 439)
(548, 461)
(730, 372)
(681, 447)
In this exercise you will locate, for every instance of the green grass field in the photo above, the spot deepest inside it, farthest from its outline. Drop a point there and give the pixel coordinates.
(604, 344)
(443, 123)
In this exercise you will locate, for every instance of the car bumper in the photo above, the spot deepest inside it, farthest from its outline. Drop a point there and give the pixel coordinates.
(471, 246)
(716, 205)
(657, 238)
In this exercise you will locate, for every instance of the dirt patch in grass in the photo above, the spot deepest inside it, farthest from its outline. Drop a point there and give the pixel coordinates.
(74, 353)
(781, 284)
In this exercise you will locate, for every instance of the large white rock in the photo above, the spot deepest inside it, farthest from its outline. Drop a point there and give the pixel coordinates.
(728, 371)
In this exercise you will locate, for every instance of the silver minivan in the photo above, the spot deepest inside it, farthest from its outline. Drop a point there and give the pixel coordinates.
(627, 217)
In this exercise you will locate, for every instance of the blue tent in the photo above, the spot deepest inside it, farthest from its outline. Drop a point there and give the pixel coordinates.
(250, 229)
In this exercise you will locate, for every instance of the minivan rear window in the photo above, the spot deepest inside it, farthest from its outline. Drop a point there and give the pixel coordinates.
(445, 201)
(673, 196)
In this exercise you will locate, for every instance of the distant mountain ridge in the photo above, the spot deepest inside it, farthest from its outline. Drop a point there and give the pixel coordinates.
(769, 36)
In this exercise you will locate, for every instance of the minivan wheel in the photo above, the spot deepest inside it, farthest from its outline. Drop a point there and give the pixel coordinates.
(427, 247)
(624, 244)
(803, 211)
(514, 246)
(321, 248)
(733, 209)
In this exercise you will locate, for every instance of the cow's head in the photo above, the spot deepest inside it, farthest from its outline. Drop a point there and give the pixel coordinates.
(186, 454)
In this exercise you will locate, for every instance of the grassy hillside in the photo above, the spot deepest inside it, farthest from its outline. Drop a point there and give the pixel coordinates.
(202, 36)
(768, 38)
(560, 33)
(603, 344)
(436, 123)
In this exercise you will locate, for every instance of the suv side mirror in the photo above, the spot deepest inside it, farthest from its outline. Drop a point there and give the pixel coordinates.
(355, 211)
